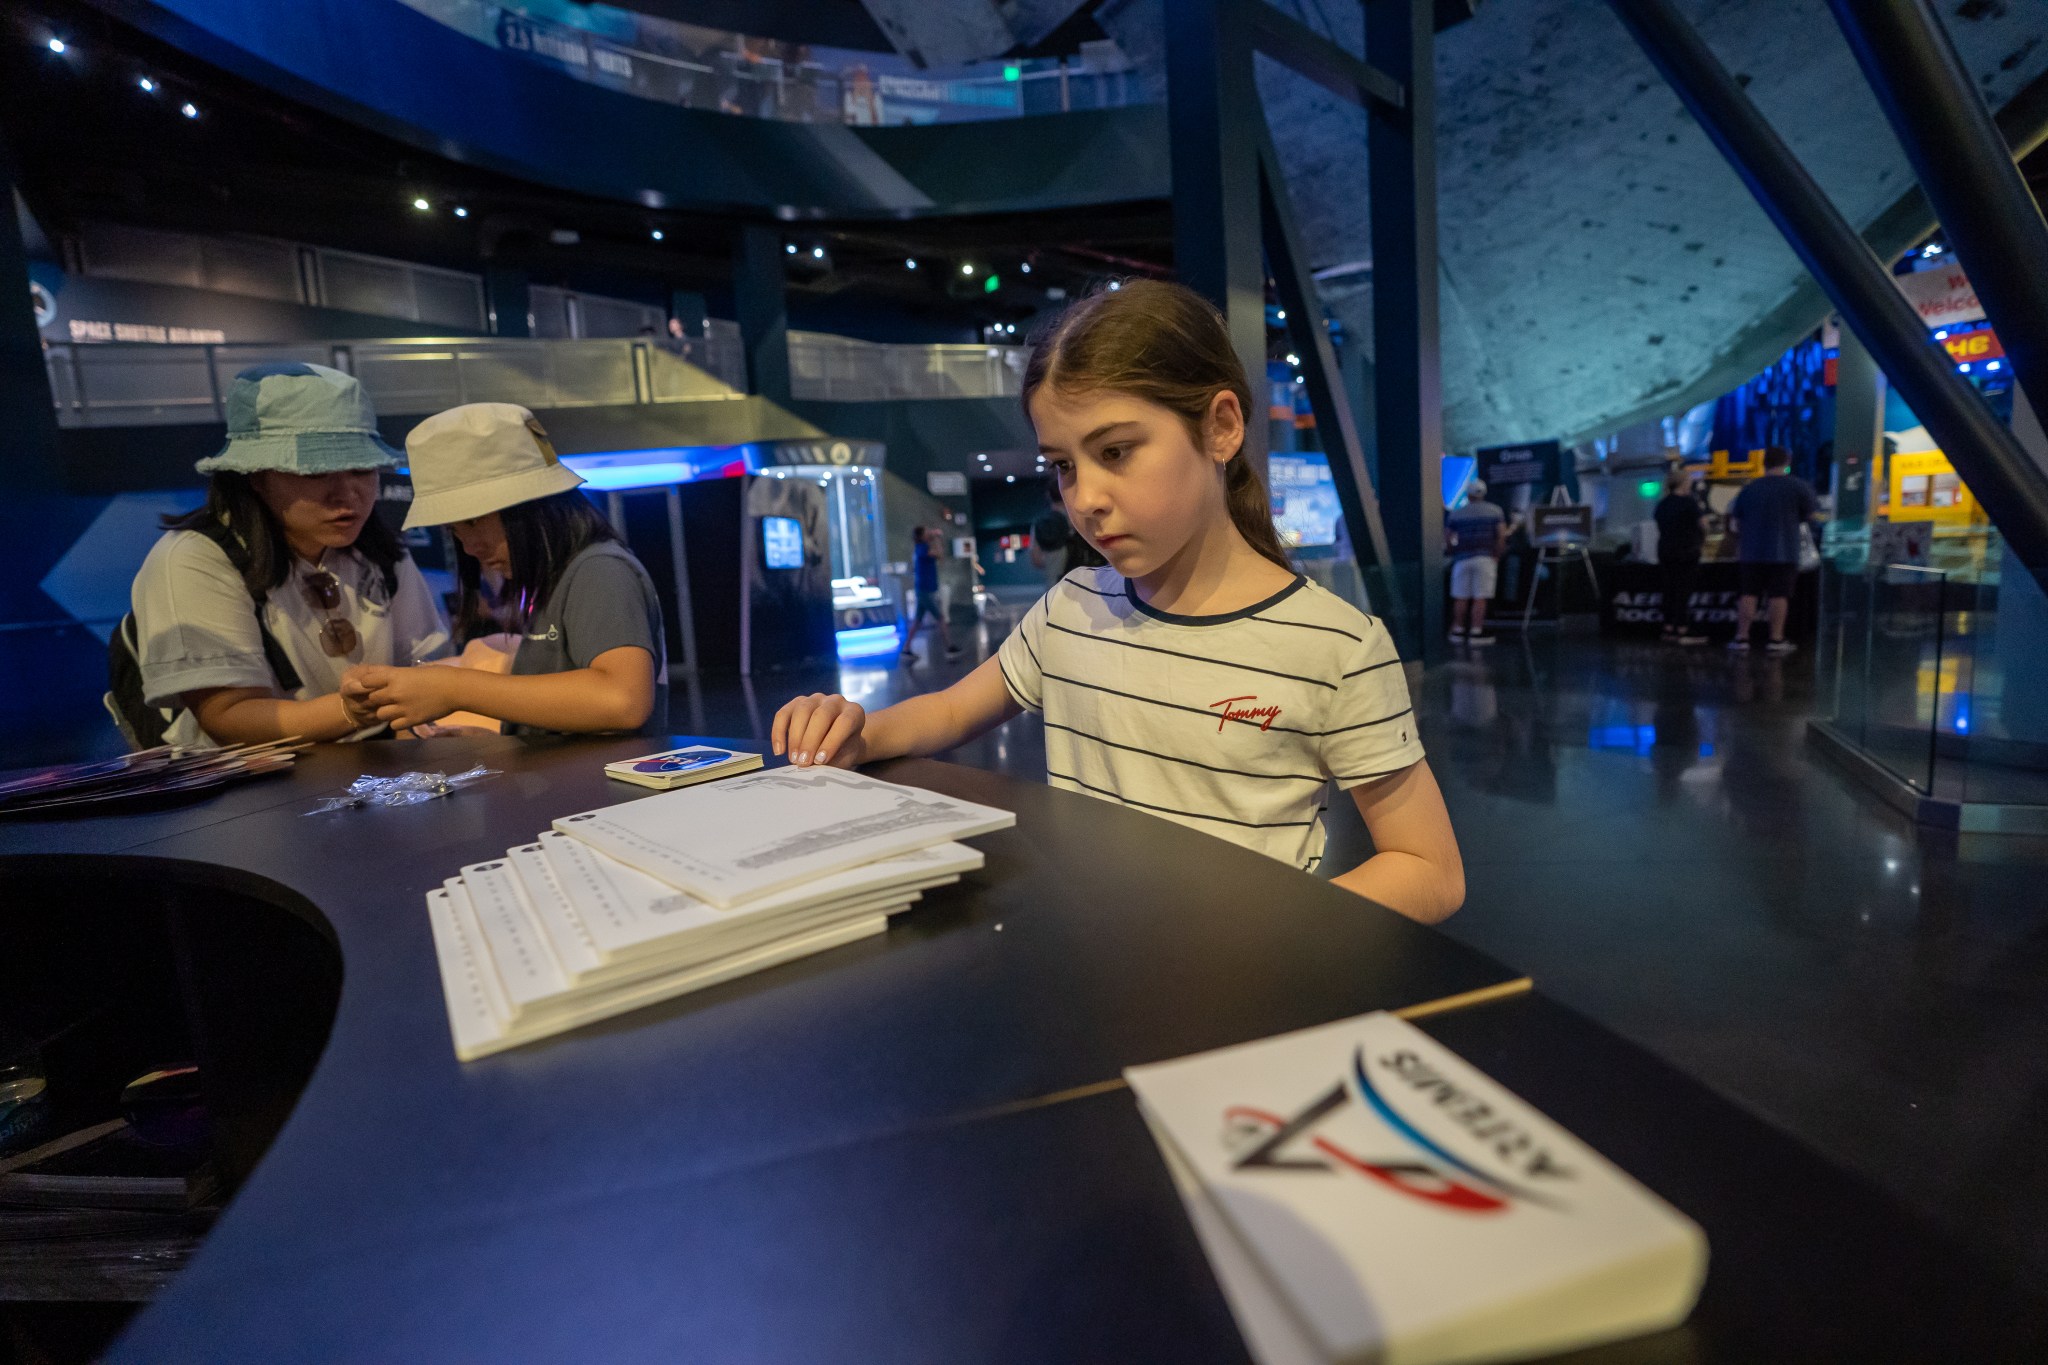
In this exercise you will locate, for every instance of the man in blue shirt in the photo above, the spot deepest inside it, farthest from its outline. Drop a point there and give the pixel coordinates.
(924, 579)
(1766, 518)
(1474, 536)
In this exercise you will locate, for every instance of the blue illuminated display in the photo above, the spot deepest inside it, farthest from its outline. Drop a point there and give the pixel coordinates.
(867, 642)
(782, 542)
(616, 471)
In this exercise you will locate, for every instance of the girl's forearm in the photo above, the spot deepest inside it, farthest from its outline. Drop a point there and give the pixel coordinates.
(257, 719)
(927, 724)
(1412, 885)
(582, 699)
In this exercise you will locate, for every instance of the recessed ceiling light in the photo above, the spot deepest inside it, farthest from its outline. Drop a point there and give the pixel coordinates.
(1282, 314)
(189, 109)
(1115, 285)
(59, 46)
(789, 247)
(967, 268)
(817, 253)
(461, 212)
(656, 234)
(421, 204)
(1026, 267)
(1009, 478)
(147, 86)
(909, 263)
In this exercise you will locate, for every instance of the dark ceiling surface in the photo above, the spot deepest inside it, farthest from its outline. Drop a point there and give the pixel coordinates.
(88, 146)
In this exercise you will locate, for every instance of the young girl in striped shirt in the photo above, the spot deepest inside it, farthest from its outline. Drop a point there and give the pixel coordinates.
(1197, 676)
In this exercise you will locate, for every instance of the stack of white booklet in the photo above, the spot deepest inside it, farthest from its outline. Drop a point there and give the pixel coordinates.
(639, 902)
(1365, 1195)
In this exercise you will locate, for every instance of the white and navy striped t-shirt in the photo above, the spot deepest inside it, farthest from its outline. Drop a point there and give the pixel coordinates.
(1233, 724)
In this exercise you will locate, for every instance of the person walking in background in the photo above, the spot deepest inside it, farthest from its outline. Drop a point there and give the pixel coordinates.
(925, 543)
(1681, 534)
(1477, 533)
(1766, 518)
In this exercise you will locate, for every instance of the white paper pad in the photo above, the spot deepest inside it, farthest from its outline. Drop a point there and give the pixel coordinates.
(1365, 1194)
(478, 1029)
(629, 913)
(741, 838)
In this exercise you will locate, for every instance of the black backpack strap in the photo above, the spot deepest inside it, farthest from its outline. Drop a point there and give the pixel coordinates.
(231, 545)
(143, 726)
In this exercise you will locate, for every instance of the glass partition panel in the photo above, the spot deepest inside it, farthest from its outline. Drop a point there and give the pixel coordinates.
(1906, 673)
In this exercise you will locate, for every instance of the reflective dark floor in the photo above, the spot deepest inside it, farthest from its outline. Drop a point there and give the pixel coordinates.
(1648, 835)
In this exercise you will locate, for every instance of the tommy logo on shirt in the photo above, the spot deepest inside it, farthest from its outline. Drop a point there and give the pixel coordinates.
(1265, 715)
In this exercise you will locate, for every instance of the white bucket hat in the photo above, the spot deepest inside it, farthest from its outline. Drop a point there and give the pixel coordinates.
(480, 458)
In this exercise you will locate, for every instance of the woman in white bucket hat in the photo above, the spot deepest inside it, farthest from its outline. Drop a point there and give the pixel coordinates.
(590, 655)
(250, 611)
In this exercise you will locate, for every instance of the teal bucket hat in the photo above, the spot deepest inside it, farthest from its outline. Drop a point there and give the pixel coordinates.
(302, 419)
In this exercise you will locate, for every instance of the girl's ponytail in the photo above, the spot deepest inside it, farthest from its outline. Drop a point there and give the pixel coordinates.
(1168, 345)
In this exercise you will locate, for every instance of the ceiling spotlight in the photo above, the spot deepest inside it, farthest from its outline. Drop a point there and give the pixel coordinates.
(189, 109)
(146, 85)
(789, 247)
(59, 46)
(461, 212)
(422, 205)
(817, 253)
(909, 263)
(967, 268)
(656, 234)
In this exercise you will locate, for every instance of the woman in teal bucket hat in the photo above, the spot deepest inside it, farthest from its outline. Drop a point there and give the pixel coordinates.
(249, 611)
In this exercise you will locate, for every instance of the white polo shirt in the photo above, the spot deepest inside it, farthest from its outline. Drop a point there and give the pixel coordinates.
(196, 628)
(1234, 724)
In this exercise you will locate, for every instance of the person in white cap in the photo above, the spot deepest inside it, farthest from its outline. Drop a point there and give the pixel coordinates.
(590, 655)
(249, 611)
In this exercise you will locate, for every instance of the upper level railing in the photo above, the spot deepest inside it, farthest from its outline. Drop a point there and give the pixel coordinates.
(848, 370)
(119, 384)
(705, 68)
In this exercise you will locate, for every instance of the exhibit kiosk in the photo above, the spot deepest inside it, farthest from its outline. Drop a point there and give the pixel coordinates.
(767, 554)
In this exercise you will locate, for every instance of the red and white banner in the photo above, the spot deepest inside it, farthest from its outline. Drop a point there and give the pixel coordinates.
(1942, 296)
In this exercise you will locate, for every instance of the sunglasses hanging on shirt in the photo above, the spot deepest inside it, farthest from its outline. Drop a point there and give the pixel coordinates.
(337, 633)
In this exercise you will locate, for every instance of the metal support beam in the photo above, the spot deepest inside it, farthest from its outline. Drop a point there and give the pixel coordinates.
(763, 308)
(1325, 384)
(1400, 39)
(1997, 470)
(1213, 114)
(27, 410)
(1962, 162)
(1297, 46)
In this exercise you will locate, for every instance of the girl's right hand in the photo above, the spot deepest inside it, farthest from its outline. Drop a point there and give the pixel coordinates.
(820, 730)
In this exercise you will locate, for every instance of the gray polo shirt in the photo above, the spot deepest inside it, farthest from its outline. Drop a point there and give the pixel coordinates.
(603, 601)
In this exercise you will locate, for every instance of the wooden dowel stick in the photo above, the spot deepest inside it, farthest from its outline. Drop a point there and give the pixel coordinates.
(1445, 1004)
(1485, 995)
